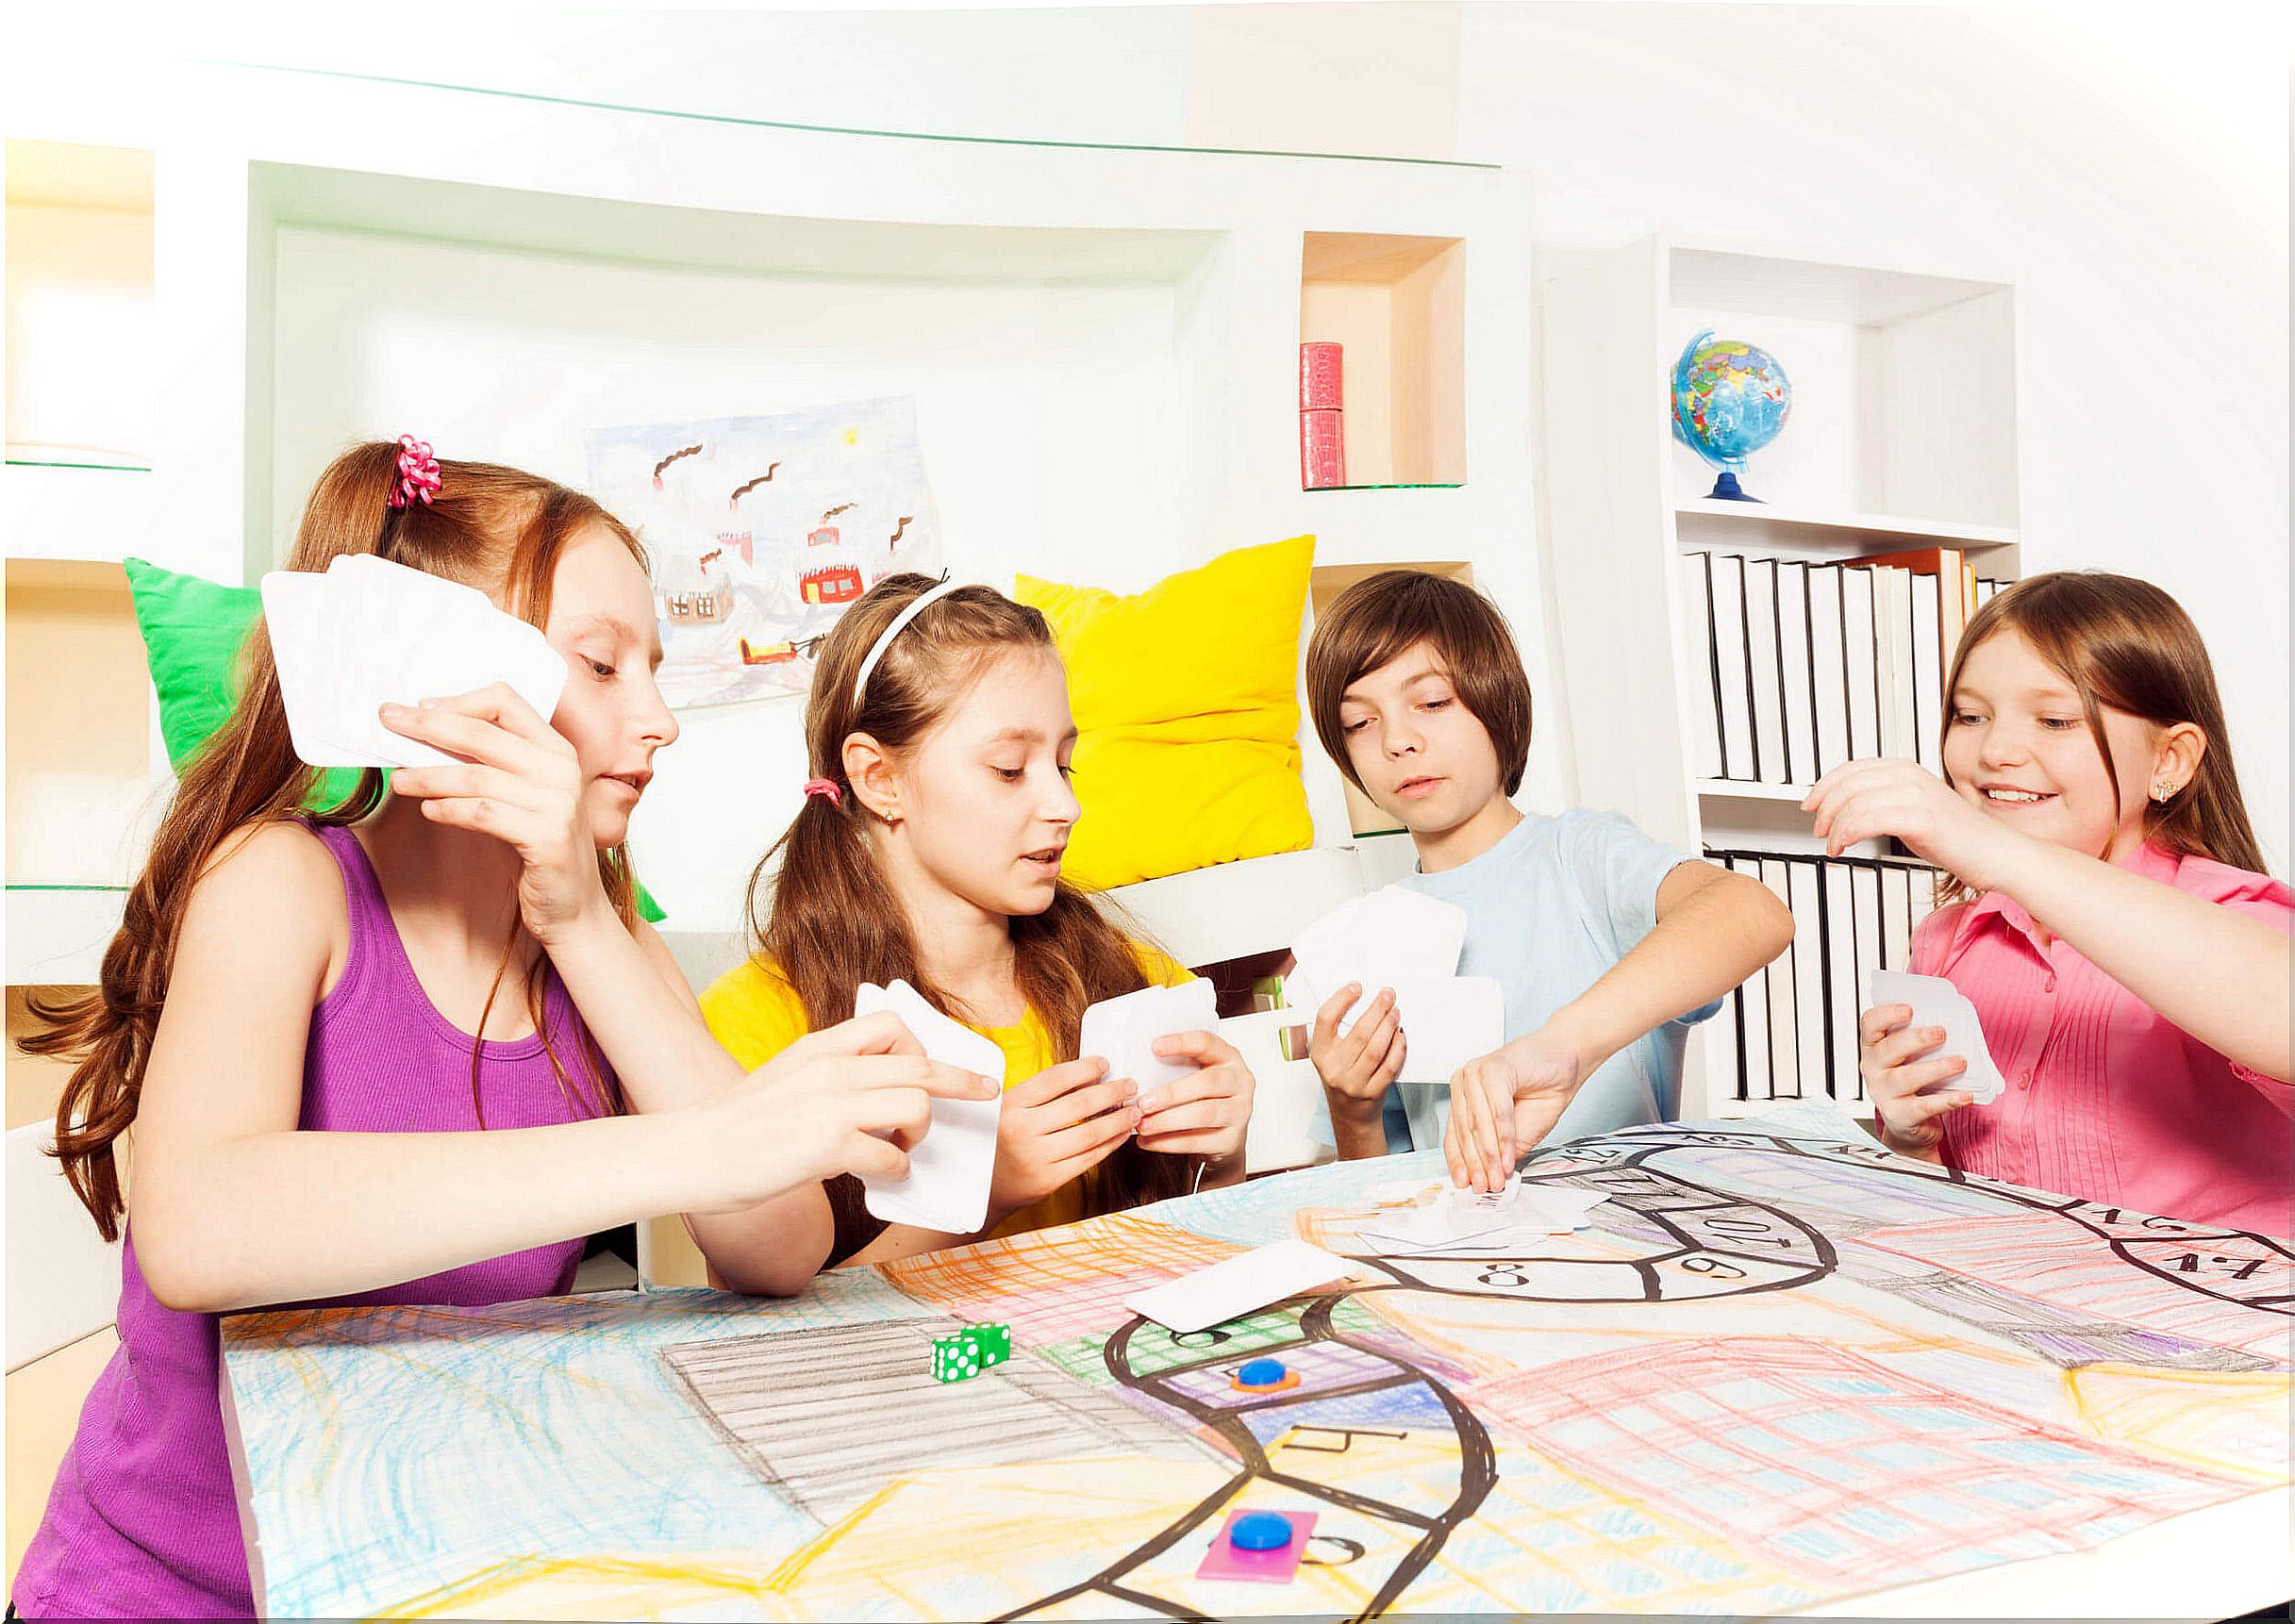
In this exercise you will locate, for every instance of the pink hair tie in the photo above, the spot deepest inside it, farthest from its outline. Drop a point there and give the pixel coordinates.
(826, 789)
(418, 472)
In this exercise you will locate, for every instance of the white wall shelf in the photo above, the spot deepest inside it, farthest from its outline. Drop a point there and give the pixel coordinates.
(1232, 910)
(1735, 790)
(86, 514)
(1702, 521)
(57, 935)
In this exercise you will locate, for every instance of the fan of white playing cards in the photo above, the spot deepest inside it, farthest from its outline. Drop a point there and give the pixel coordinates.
(1408, 941)
(370, 633)
(1465, 1223)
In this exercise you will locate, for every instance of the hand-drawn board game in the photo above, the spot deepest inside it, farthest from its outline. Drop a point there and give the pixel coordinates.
(1781, 1366)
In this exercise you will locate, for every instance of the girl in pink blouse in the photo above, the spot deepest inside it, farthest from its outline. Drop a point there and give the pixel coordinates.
(2103, 909)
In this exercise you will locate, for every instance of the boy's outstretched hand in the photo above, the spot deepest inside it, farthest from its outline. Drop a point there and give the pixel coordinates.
(1504, 1104)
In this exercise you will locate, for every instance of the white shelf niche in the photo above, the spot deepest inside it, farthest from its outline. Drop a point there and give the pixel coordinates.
(1700, 524)
(1903, 390)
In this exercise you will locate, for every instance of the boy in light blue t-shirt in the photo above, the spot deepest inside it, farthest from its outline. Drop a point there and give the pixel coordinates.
(1609, 944)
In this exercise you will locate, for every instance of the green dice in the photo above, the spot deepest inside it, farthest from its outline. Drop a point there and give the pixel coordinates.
(963, 1355)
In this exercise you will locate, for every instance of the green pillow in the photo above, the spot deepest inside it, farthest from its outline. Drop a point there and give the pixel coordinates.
(192, 629)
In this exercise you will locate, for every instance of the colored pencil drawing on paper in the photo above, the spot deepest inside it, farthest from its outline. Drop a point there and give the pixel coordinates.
(1780, 1367)
(762, 530)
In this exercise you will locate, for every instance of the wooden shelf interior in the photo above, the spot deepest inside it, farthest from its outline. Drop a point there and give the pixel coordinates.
(81, 379)
(1904, 390)
(79, 723)
(1323, 585)
(1397, 306)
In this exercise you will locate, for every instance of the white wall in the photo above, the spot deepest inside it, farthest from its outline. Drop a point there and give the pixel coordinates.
(2127, 175)
(2124, 166)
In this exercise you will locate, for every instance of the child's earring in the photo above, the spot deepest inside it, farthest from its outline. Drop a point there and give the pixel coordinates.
(2163, 791)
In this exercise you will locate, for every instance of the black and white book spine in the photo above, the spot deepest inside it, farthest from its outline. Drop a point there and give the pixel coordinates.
(1783, 1035)
(1928, 668)
(1797, 671)
(1767, 681)
(1896, 917)
(1700, 673)
(1844, 978)
(1829, 675)
(1861, 659)
(1812, 1063)
(1735, 688)
(1752, 1015)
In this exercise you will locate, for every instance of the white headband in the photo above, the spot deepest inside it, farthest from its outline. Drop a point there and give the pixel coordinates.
(917, 606)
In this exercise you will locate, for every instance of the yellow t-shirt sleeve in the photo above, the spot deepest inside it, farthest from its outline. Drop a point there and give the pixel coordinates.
(754, 1012)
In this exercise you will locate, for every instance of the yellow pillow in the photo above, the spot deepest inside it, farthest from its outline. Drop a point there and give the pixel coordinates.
(1187, 709)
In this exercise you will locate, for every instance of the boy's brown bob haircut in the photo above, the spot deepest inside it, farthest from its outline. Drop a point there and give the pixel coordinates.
(1375, 620)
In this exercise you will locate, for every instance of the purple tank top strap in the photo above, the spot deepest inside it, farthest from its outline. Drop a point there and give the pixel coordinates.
(360, 889)
(375, 947)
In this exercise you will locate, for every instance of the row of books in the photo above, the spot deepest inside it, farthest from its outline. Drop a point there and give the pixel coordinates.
(1798, 667)
(1791, 1027)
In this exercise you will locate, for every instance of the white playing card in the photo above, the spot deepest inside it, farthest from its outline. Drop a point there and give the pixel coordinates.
(1937, 1002)
(1459, 1222)
(950, 1169)
(406, 635)
(1393, 934)
(1236, 1285)
(1445, 1023)
(296, 607)
(1124, 1030)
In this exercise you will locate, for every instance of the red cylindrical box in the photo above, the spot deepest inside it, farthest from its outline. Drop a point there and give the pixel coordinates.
(1319, 377)
(1322, 454)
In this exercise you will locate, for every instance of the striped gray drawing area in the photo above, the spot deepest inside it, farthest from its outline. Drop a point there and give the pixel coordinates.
(828, 1415)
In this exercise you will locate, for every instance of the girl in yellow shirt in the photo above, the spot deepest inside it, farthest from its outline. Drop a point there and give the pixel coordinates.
(928, 850)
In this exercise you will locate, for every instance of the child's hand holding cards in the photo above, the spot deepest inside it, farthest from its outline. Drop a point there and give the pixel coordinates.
(951, 1167)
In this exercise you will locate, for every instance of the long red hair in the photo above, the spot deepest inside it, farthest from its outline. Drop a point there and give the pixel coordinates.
(497, 528)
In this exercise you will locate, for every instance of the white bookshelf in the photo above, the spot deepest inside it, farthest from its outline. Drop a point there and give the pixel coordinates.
(1903, 436)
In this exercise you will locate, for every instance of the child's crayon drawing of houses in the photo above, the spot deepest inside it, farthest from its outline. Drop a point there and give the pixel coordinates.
(762, 530)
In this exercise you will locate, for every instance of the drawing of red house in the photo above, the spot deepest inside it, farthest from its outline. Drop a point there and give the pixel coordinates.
(830, 583)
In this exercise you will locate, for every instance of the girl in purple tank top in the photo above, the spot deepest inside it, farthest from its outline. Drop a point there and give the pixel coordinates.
(304, 1015)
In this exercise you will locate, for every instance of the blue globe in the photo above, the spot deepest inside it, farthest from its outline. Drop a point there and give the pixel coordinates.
(1730, 399)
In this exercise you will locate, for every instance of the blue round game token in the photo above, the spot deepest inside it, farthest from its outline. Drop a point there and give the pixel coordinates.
(1261, 1373)
(1260, 1531)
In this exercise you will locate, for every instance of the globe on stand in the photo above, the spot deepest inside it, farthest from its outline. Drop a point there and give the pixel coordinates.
(1729, 401)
